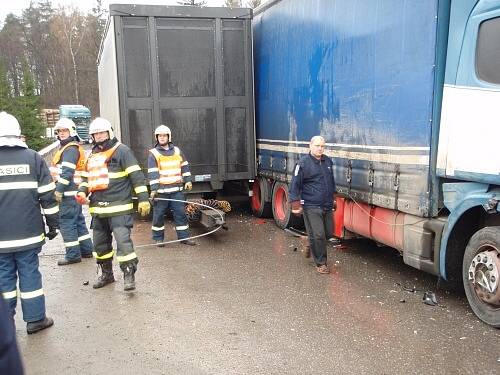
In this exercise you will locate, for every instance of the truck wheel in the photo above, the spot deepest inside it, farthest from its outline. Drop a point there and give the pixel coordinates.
(260, 191)
(282, 212)
(481, 273)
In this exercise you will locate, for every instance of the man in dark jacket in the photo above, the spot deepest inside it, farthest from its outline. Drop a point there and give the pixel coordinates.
(311, 193)
(111, 174)
(26, 190)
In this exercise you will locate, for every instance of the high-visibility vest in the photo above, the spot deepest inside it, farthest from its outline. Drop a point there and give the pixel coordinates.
(97, 169)
(169, 167)
(56, 167)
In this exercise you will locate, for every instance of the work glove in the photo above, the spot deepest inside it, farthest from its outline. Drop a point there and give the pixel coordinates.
(58, 196)
(52, 233)
(144, 208)
(188, 186)
(153, 195)
(81, 198)
(296, 208)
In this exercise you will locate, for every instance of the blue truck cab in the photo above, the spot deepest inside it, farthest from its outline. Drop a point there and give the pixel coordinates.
(406, 95)
(80, 116)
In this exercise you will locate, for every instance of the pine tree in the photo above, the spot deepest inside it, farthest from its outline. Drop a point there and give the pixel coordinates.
(5, 91)
(27, 111)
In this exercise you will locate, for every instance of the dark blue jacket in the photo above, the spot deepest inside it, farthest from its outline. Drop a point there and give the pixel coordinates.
(313, 182)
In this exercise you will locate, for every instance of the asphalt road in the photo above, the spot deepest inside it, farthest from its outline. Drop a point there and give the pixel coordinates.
(246, 301)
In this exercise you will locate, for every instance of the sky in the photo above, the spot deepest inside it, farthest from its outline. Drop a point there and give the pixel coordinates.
(17, 6)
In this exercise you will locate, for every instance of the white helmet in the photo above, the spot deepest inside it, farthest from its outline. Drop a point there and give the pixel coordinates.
(163, 129)
(100, 124)
(66, 123)
(9, 126)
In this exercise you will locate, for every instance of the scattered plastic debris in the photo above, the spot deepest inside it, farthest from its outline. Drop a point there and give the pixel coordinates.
(429, 298)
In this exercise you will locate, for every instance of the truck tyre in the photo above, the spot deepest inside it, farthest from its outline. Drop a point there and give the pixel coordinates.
(258, 200)
(282, 212)
(481, 272)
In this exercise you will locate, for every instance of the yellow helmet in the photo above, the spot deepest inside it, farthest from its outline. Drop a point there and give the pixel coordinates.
(66, 123)
(100, 124)
(9, 126)
(163, 129)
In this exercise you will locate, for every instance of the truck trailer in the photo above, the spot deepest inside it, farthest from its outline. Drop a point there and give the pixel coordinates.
(406, 95)
(189, 68)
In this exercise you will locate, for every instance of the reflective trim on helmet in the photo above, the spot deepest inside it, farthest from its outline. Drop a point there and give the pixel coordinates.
(33, 294)
(105, 256)
(45, 188)
(18, 185)
(126, 258)
(51, 210)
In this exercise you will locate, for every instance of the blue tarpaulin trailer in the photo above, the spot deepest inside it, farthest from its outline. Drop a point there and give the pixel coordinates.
(406, 95)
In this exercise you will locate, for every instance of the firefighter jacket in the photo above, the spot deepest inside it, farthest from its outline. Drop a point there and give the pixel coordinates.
(313, 182)
(168, 169)
(67, 167)
(25, 187)
(111, 173)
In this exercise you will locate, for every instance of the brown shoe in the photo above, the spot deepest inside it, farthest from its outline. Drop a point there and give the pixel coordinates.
(323, 269)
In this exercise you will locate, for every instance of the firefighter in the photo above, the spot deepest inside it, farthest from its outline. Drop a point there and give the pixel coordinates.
(168, 172)
(110, 175)
(66, 170)
(26, 195)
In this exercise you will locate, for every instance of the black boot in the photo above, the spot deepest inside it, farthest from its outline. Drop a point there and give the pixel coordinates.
(34, 327)
(106, 274)
(129, 269)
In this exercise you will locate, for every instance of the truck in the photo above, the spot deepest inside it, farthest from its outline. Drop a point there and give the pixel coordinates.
(80, 116)
(189, 68)
(406, 95)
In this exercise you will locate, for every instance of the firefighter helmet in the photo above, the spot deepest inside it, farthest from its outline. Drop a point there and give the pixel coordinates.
(66, 123)
(163, 129)
(100, 124)
(9, 126)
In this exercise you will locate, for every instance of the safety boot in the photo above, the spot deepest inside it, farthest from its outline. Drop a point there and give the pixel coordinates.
(106, 276)
(34, 327)
(129, 269)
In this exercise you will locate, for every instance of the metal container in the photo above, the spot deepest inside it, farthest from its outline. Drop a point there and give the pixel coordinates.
(189, 68)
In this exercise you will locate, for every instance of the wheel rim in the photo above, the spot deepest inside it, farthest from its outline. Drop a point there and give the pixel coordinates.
(484, 272)
(256, 196)
(280, 201)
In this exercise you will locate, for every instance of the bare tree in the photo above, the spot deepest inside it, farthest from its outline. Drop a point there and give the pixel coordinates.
(233, 3)
(253, 3)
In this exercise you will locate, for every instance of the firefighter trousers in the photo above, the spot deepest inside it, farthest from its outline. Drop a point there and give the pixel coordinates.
(160, 208)
(23, 265)
(119, 227)
(73, 229)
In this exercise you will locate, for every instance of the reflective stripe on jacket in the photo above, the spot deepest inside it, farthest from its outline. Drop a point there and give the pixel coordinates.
(58, 164)
(26, 195)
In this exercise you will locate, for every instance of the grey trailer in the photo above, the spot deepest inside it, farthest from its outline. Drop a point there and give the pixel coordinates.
(189, 68)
